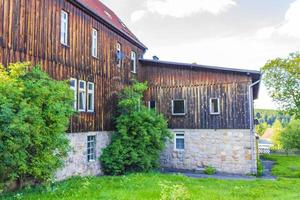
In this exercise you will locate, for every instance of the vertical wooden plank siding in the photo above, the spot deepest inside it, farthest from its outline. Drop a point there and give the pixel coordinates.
(196, 87)
(30, 31)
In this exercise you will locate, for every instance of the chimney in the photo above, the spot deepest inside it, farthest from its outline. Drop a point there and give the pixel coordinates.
(155, 58)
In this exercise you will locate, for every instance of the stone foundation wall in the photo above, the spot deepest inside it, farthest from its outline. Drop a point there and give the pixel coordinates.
(230, 151)
(76, 164)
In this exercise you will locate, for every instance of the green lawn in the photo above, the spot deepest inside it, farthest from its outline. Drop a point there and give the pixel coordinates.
(161, 186)
(286, 166)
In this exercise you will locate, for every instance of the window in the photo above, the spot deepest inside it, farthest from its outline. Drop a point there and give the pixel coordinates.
(151, 104)
(133, 62)
(91, 148)
(119, 55)
(90, 100)
(178, 107)
(214, 106)
(73, 86)
(64, 28)
(82, 96)
(179, 141)
(94, 42)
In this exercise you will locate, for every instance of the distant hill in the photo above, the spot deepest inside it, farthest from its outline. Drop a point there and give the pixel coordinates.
(270, 116)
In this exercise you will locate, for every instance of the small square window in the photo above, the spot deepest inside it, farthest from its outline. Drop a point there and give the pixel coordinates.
(179, 141)
(151, 104)
(91, 148)
(214, 106)
(178, 107)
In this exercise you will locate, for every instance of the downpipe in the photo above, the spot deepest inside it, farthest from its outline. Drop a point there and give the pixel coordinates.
(252, 132)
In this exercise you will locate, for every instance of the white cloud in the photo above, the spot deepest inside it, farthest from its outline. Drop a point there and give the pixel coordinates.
(290, 26)
(183, 8)
(137, 15)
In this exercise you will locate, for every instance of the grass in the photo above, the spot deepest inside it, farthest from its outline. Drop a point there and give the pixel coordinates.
(285, 166)
(162, 186)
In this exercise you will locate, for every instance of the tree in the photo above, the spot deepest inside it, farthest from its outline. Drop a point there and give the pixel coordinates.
(282, 79)
(34, 116)
(290, 137)
(277, 131)
(139, 138)
(261, 128)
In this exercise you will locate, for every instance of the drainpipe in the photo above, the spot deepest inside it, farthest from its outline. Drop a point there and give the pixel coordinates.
(252, 132)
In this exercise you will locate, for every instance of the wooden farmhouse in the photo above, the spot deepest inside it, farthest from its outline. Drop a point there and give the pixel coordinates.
(209, 109)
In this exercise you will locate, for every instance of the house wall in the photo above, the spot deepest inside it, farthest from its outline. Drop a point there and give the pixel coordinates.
(196, 87)
(30, 31)
(230, 151)
(76, 163)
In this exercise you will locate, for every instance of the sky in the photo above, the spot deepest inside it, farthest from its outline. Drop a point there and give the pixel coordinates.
(227, 33)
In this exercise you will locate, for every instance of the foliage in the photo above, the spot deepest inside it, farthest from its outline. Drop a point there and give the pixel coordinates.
(277, 131)
(147, 187)
(173, 191)
(209, 170)
(139, 138)
(268, 117)
(285, 166)
(34, 115)
(261, 128)
(260, 168)
(290, 138)
(282, 79)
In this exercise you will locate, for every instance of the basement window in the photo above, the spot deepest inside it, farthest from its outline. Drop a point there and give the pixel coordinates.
(214, 106)
(179, 141)
(91, 148)
(178, 107)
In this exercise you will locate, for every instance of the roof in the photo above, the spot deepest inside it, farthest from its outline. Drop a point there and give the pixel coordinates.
(268, 134)
(255, 75)
(107, 16)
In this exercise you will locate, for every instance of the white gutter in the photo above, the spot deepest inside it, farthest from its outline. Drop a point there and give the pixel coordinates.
(252, 132)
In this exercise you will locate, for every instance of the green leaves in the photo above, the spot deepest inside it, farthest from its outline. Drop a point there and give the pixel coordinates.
(282, 79)
(34, 116)
(139, 138)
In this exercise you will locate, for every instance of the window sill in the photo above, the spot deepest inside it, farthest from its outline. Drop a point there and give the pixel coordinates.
(133, 72)
(179, 150)
(179, 114)
(65, 45)
(214, 113)
(96, 58)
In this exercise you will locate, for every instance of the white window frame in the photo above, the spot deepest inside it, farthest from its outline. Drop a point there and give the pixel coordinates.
(74, 88)
(184, 105)
(92, 92)
(178, 135)
(91, 157)
(84, 97)
(94, 43)
(211, 106)
(119, 48)
(64, 23)
(133, 58)
(149, 104)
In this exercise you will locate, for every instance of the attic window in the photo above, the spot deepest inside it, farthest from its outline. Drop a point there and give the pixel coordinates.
(107, 14)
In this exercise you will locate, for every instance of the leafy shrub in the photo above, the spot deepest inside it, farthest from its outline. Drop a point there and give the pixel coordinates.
(290, 137)
(34, 115)
(260, 168)
(173, 191)
(209, 170)
(139, 138)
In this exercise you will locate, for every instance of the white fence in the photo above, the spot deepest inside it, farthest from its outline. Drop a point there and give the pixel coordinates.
(264, 148)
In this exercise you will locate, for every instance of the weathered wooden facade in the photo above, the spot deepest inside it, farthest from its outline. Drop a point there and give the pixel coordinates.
(30, 31)
(196, 85)
(83, 40)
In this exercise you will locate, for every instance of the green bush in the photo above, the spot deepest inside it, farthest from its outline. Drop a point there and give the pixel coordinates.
(290, 137)
(139, 138)
(260, 168)
(34, 115)
(209, 170)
